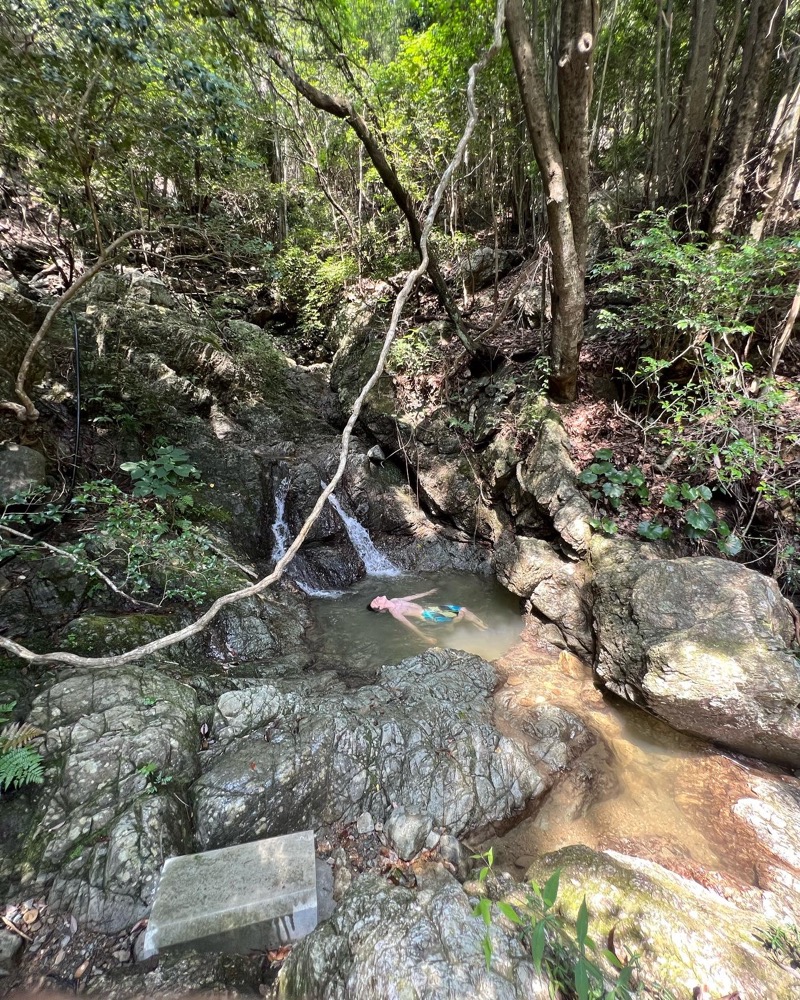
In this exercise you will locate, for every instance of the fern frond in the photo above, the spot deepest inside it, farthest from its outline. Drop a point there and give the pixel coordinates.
(22, 766)
(18, 734)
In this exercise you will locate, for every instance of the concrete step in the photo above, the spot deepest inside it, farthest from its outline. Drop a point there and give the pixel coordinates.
(251, 897)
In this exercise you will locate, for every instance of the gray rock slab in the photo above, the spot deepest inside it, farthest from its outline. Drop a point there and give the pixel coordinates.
(10, 946)
(251, 897)
(21, 469)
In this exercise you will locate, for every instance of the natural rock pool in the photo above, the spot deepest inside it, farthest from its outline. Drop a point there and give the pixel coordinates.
(347, 633)
(644, 788)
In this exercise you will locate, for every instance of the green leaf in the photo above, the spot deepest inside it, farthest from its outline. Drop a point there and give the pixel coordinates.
(550, 890)
(604, 454)
(581, 980)
(582, 923)
(699, 520)
(730, 546)
(587, 476)
(537, 945)
(509, 912)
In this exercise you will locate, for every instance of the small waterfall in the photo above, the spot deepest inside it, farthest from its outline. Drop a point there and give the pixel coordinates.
(375, 563)
(280, 530)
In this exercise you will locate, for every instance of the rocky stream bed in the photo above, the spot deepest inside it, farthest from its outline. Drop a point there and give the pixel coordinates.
(406, 770)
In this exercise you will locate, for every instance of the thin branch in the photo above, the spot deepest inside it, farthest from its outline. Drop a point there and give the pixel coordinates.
(86, 566)
(72, 659)
(27, 412)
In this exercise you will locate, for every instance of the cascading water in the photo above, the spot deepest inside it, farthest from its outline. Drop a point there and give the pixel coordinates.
(282, 535)
(280, 529)
(375, 562)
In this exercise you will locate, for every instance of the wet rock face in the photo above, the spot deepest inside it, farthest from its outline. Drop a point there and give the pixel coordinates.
(387, 941)
(121, 747)
(549, 475)
(773, 815)
(683, 935)
(420, 737)
(703, 643)
(557, 588)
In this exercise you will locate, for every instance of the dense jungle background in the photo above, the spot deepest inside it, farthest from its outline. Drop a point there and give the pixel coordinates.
(209, 212)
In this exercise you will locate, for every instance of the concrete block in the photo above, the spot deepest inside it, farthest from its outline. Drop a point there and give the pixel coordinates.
(252, 897)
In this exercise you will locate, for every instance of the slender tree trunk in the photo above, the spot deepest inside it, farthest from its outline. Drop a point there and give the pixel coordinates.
(693, 98)
(568, 252)
(576, 48)
(340, 107)
(768, 15)
(783, 139)
(720, 87)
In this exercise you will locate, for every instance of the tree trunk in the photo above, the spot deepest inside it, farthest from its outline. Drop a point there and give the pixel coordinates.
(560, 171)
(340, 107)
(576, 48)
(720, 88)
(693, 101)
(782, 140)
(729, 191)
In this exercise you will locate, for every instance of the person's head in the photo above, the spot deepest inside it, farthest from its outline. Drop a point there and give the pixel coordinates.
(378, 604)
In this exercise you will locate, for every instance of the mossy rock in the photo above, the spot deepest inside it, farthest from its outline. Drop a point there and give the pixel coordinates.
(683, 936)
(109, 635)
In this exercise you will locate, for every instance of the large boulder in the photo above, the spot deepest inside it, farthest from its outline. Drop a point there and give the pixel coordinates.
(121, 747)
(557, 588)
(481, 266)
(549, 475)
(422, 737)
(683, 936)
(702, 643)
(21, 470)
(388, 941)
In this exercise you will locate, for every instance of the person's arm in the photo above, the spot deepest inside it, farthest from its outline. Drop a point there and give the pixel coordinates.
(418, 632)
(413, 597)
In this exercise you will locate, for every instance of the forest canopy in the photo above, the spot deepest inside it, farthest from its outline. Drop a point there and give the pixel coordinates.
(636, 158)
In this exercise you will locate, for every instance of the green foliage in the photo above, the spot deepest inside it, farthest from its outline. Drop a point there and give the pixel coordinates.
(685, 291)
(570, 959)
(156, 780)
(168, 476)
(612, 487)
(783, 942)
(144, 547)
(20, 764)
(311, 283)
(612, 484)
(416, 351)
(716, 423)
(147, 549)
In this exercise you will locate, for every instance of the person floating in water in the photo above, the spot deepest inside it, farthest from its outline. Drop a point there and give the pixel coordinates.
(404, 608)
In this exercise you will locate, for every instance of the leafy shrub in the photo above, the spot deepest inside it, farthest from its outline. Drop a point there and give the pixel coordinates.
(168, 476)
(139, 543)
(311, 283)
(611, 487)
(569, 960)
(683, 291)
(20, 764)
(415, 351)
(704, 318)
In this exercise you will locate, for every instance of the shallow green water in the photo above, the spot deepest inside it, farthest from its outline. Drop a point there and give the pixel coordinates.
(355, 641)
